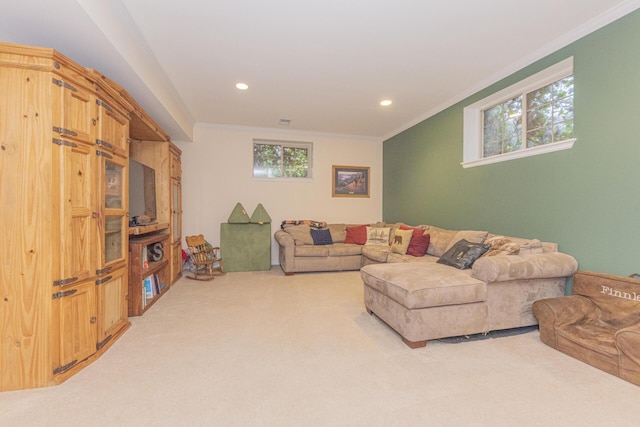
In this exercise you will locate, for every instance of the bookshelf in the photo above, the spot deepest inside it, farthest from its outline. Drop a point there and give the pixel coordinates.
(149, 274)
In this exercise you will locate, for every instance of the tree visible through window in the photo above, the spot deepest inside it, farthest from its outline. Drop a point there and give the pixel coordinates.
(549, 118)
(531, 117)
(281, 159)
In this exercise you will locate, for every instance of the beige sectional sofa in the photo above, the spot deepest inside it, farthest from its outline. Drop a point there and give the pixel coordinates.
(422, 299)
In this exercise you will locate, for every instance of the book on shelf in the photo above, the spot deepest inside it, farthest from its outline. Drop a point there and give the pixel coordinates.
(145, 258)
(148, 287)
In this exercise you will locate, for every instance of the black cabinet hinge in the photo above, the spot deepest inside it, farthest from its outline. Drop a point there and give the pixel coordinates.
(64, 84)
(104, 270)
(63, 131)
(104, 154)
(105, 105)
(64, 368)
(104, 144)
(63, 142)
(62, 282)
(64, 294)
(103, 280)
(103, 342)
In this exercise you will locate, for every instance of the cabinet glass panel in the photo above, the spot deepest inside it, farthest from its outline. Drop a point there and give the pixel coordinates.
(176, 210)
(113, 194)
(113, 236)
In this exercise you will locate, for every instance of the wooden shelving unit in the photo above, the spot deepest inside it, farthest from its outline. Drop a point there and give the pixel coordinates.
(144, 229)
(165, 158)
(138, 302)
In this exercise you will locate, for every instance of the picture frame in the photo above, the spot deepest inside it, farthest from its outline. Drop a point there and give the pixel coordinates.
(350, 181)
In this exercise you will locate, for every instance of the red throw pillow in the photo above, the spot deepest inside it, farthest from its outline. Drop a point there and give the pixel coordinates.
(419, 245)
(357, 234)
(416, 231)
(415, 246)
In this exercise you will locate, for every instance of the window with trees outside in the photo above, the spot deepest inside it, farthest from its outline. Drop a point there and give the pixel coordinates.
(534, 116)
(282, 159)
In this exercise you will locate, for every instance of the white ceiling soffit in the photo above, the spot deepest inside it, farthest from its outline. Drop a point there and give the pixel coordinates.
(68, 27)
(114, 21)
(325, 65)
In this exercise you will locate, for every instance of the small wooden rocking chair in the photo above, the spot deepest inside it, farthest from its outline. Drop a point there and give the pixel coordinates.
(205, 259)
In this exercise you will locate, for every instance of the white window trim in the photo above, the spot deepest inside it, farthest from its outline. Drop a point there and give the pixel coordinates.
(298, 144)
(472, 117)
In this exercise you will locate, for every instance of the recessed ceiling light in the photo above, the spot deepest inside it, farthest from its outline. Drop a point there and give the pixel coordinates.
(242, 86)
(285, 122)
(386, 102)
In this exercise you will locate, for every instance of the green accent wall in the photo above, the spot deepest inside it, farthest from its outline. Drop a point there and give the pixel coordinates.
(587, 199)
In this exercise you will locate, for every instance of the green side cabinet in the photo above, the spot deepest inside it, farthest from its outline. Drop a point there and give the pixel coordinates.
(245, 247)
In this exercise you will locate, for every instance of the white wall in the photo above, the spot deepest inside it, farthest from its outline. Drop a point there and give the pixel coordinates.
(217, 173)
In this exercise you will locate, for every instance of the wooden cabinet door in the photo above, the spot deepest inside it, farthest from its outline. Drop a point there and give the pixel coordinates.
(112, 129)
(176, 167)
(176, 262)
(74, 170)
(176, 230)
(74, 311)
(113, 224)
(176, 211)
(74, 182)
(72, 110)
(112, 305)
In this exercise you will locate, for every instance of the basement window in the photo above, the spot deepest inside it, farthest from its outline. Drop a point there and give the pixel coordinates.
(282, 159)
(531, 117)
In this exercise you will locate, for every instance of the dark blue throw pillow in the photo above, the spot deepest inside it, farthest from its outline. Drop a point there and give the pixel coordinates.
(321, 237)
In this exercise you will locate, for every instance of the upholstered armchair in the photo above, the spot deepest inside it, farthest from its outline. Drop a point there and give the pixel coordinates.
(599, 324)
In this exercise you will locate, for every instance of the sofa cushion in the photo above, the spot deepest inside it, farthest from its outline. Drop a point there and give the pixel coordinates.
(376, 253)
(338, 232)
(312, 250)
(595, 336)
(357, 234)
(502, 268)
(424, 284)
(417, 231)
(401, 241)
(301, 234)
(378, 236)
(394, 257)
(345, 249)
(471, 236)
(463, 254)
(321, 237)
(439, 240)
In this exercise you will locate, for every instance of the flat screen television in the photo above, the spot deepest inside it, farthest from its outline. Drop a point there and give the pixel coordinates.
(142, 194)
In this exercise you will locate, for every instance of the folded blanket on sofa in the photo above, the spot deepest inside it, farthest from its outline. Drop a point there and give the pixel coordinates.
(309, 222)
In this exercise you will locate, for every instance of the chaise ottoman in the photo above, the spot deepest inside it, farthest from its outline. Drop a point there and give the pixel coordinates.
(425, 300)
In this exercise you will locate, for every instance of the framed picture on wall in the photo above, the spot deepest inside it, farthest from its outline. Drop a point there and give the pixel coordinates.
(350, 181)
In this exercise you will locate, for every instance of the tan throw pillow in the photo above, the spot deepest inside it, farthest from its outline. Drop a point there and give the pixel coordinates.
(378, 236)
(500, 245)
(471, 236)
(440, 240)
(338, 232)
(301, 234)
(401, 241)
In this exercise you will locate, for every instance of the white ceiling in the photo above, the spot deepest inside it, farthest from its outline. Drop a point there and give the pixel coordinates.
(324, 64)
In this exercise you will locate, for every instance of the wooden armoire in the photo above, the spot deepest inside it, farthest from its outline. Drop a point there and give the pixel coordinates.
(65, 132)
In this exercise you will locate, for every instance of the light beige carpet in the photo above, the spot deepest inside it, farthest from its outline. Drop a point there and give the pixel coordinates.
(262, 349)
